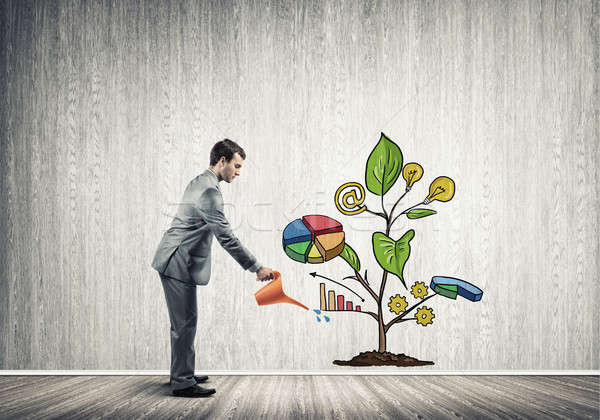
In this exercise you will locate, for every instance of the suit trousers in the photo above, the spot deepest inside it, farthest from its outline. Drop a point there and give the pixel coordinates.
(183, 313)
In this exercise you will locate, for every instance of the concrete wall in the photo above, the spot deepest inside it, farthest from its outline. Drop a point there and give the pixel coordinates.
(110, 108)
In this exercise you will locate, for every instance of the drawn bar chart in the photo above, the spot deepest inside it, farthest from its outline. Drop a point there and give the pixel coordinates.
(331, 302)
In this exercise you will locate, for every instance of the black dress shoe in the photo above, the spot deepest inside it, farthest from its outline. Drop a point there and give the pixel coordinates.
(199, 379)
(195, 391)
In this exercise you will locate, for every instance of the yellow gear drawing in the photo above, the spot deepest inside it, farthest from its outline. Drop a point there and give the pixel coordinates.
(425, 316)
(397, 304)
(419, 290)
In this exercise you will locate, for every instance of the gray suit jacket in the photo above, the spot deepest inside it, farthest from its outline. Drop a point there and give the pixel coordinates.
(184, 251)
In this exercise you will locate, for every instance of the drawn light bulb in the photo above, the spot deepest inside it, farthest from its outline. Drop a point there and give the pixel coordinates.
(441, 189)
(412, 172)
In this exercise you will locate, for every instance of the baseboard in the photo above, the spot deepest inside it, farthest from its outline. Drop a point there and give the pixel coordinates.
(303, 373)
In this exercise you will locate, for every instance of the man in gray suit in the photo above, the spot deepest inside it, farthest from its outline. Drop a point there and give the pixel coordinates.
(183, 259)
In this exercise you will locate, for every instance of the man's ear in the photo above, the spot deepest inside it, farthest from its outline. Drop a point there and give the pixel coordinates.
(222, 160)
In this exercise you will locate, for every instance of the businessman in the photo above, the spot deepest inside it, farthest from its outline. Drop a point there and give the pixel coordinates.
(183, 259)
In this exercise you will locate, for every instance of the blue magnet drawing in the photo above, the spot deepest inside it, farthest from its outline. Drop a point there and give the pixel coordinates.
(450, 287)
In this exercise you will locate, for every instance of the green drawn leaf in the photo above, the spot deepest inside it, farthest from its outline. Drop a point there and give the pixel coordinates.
(350, 256)
(384, 166)
(419, 213)
(392, 255)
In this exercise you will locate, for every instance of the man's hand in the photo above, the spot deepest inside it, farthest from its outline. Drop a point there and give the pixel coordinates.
(264, 274)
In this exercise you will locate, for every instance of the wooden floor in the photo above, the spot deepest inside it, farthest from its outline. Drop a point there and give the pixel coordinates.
(281, 397)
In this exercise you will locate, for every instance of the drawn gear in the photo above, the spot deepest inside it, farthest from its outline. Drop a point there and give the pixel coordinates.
(425, 316)
(419, 290)
(397, 304)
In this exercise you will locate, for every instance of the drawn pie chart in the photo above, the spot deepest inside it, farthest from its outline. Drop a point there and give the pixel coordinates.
(313, 239)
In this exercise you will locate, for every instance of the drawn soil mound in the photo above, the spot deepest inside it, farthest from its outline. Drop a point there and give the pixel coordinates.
(375, 358)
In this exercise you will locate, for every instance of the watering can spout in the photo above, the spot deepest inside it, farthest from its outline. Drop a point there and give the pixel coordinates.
(273, 293)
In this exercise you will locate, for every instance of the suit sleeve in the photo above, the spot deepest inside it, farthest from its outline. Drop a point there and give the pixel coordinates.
(211, 209)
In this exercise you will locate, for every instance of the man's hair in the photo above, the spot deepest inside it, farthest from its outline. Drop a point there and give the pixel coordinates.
(225, 148)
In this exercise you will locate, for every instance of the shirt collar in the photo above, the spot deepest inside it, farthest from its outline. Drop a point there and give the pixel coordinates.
(212, 174)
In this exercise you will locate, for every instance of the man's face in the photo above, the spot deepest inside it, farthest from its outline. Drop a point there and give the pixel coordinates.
(232, 168)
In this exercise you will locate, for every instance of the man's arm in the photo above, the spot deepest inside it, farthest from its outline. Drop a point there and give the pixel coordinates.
(211, 207)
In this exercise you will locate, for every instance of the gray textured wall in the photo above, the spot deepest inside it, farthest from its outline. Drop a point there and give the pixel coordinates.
(109, 109)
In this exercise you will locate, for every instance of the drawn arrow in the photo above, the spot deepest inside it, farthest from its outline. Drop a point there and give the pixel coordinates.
(314, 274)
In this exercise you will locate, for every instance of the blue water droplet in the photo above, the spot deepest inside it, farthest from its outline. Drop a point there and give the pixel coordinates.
(318, 319)
(326, 318)
(317, 311)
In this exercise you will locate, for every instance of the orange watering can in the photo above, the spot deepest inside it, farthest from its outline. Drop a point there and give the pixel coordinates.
(273, 293)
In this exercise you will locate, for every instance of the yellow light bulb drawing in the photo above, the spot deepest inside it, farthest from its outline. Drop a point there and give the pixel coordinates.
(441, 189)
(412, 172)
